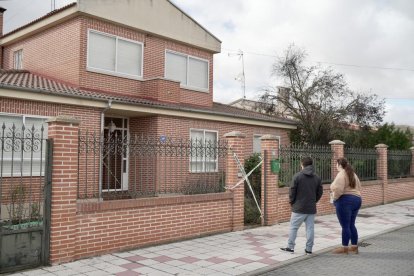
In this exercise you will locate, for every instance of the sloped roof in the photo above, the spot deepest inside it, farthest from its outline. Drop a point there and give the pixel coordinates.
(159, 17)
(26, 81)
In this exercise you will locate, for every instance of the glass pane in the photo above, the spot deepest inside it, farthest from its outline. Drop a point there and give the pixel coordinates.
(129, 58)
(256, 144)
(198, 73)
(176, 67)
(101, 51)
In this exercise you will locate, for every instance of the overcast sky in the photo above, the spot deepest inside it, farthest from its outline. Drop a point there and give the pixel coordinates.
(371, 42)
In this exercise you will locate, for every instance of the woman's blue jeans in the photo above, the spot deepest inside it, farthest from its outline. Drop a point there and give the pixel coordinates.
(347, 207)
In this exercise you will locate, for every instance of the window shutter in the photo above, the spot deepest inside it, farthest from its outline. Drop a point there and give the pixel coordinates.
(101, 51)
(129, 58)
(198, 73)
(176, 67)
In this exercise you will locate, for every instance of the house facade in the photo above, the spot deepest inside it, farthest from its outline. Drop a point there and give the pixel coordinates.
(126, 72)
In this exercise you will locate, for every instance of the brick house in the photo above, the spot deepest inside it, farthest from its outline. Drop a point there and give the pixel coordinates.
(121, 69)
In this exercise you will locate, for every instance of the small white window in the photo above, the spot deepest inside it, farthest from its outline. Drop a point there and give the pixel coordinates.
(203, 150)
(114, 55)
(26, 161)
(257, 143)
(18, 59)
(190, 71)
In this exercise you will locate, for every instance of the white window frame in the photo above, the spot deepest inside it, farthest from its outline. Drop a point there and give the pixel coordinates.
(260, 135)
(203, 162)
(18, 59)
(186, 86)
(25, 159)
(115, 73)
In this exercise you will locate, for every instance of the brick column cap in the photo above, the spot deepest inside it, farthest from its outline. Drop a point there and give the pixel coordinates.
(2, 10)
(269, 137)
(64, 119)
(336, 142)
(381, 146)
(237, 134)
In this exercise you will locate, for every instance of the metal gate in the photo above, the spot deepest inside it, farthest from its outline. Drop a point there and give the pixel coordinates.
(25, 194)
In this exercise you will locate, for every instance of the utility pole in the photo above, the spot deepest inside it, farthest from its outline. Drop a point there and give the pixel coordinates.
(52, 5)
(241, 77)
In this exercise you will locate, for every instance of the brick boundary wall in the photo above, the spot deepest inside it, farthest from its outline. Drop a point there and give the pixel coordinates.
(110, 226)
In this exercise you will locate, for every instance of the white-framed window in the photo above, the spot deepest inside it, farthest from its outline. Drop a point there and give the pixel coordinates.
(192, 72)
(257, 148)
(27, 157)
(18, 59)
(114, 55)
(203, 150)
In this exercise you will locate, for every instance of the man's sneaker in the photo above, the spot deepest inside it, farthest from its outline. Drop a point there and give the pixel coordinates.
(287, 249)
(308, 252)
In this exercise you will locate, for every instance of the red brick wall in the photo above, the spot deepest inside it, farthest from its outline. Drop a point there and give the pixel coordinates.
(119, 225)
(399, 189)
(54, 52)
(153, 65)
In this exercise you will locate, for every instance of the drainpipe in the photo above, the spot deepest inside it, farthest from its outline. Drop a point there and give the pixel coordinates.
(100, 147)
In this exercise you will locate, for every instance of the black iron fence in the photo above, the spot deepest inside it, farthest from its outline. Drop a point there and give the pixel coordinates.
(364, 162)
(290, 158)
(113, 166)
(399, 163)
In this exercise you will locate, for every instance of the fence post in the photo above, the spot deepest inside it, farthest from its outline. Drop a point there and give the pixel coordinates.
(64, 133)
(337, 147)
(270, 181)
(235, 141)
(382, 169)
(412, 162)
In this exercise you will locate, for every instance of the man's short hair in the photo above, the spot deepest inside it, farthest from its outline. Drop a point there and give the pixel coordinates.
(306, 161)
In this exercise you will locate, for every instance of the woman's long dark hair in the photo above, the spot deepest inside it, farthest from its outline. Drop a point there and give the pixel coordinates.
(349, 171)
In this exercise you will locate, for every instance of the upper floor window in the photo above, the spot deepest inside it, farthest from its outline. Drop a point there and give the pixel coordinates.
(18, 59)
(114, 55)
(190, 71)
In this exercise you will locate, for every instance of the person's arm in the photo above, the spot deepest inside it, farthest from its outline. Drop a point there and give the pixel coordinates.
(319, 190)
(338, 185)
(293, 190)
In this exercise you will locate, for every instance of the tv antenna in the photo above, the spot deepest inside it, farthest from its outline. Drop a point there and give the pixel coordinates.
(241, 77)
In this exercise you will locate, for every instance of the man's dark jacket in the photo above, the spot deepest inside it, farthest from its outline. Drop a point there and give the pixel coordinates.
(305, 191)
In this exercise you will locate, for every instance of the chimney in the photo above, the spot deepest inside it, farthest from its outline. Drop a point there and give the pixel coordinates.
(2, 10)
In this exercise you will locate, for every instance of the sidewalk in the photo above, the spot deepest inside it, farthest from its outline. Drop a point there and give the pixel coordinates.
(235, 253)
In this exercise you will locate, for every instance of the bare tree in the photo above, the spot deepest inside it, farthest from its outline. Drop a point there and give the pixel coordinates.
(319, 99)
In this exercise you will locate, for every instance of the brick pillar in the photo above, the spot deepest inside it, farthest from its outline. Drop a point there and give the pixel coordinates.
(270, 192)
(235, 141)
(337, 148)
(63, 131)
(412, 161)
(382, 169)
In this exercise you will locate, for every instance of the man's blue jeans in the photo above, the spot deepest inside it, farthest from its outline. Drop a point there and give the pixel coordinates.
(347, 207)
(296, 221)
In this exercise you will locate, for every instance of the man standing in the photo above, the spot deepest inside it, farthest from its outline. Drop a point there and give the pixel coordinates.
(304, 193)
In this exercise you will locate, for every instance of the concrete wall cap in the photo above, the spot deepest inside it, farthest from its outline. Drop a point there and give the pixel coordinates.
(412, 148)
(269, 137)
(336, 142)
(381, 146)
(235, 134)
(64, 119)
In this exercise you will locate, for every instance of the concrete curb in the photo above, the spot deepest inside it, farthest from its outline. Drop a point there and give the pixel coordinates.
(317, 253)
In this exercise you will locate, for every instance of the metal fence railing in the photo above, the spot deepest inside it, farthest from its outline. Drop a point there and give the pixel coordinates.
(399, 163)
(364, 162)
(291, 155)
(116, 167)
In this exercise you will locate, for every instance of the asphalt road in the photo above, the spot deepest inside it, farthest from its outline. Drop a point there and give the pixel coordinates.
(388, 254)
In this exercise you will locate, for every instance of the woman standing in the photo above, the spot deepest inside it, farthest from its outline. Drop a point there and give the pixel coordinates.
(346, 189)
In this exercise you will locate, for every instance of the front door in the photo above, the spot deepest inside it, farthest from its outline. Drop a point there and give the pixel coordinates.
(115, 155)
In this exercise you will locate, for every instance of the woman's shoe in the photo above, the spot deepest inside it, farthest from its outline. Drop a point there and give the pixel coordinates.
(341, 250)
(353, 249)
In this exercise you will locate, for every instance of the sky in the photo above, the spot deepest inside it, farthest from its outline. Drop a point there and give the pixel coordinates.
(370, 42)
